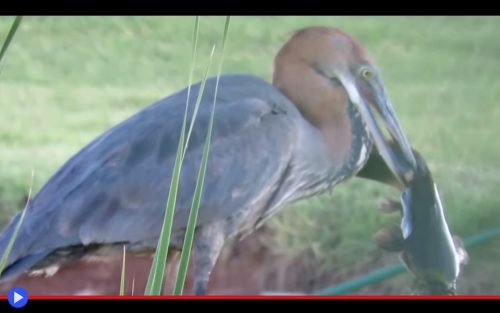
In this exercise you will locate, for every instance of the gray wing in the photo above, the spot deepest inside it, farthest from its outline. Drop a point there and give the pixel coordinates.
(115, 189)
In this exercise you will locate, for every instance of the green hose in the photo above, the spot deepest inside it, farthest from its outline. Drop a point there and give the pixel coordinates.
(363, 281)
(393, 270)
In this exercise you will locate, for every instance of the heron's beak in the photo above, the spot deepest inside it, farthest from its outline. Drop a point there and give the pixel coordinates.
(399, 156)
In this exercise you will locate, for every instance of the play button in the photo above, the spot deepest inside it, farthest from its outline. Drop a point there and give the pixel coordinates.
(18, 297)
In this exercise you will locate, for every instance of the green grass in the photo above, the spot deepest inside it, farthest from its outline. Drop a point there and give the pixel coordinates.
(67, 79)
(157, 272)
(193, 214)
(124, 270)
(5, 255)
(10, 36)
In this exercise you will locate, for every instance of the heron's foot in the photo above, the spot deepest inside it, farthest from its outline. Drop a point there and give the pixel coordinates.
(200, 287)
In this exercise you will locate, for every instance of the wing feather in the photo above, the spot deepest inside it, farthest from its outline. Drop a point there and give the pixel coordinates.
(115, 189)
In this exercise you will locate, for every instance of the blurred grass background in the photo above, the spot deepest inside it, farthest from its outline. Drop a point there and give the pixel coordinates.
(65, 80)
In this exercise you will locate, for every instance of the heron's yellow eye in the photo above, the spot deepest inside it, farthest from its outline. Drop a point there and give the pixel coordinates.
(366, 73)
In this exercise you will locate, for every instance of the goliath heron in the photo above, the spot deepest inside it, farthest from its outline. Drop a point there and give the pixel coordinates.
(273, 144)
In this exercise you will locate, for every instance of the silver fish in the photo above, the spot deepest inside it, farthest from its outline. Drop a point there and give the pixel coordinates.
(428, 249)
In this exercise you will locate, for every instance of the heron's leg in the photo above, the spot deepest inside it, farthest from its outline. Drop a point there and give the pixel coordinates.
(207, 246)
(173, 262)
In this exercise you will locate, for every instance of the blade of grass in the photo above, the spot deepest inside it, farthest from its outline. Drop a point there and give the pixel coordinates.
(133, 287)
(159, 263)
(154, 267)
(5, 256)
(10, 35)
(157, 272)
(193, 214)
(190, 81)
(122, 280)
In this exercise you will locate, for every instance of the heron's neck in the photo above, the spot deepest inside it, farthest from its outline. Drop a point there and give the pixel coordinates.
(324, 106)
(314, 170)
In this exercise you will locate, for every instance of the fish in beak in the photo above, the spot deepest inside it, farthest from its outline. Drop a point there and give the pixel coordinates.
(428, 248)
(430, 252)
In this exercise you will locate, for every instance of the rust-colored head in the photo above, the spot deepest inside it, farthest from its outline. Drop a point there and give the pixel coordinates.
(323, 71)
(306, 68)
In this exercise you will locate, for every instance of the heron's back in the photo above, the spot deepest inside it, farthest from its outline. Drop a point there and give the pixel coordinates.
(115, 188)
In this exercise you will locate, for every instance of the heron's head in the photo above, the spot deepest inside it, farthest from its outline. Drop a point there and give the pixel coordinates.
(323, 70)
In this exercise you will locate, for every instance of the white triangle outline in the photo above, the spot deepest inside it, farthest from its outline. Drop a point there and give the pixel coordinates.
(17, 297)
